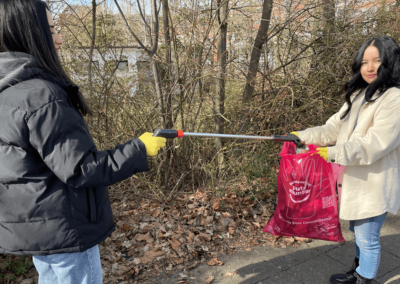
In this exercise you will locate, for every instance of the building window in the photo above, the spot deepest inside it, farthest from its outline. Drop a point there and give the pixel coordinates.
(123, 65)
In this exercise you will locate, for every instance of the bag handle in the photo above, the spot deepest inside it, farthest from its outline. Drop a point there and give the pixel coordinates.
(289, 148)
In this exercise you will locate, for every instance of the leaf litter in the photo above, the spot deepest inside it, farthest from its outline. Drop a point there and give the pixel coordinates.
(154, 237)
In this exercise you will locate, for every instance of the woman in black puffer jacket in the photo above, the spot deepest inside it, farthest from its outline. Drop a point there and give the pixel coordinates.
(54, 201)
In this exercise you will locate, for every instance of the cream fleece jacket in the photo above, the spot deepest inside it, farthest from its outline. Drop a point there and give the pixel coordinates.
(370, 153)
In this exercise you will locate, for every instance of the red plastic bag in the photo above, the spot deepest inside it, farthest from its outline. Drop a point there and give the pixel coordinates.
(307, 205)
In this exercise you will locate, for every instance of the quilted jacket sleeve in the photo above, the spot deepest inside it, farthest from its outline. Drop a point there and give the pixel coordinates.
(60, 136)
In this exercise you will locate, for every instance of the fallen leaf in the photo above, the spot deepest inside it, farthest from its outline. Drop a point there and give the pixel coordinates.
(175, 244)
(125, 227)
(149, 256)
(272, 238)
(209, 279)
(145, 237)
(204, 237)
(214, 261)
(179, 230)
(191, 237)
(200, 210)
(155, 213)
(289, 240)
(153, 205)
(216, 205)
(304, 240)
(229, 274)
(123, 270)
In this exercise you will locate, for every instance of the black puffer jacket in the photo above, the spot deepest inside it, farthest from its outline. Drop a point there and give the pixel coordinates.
(53, 181)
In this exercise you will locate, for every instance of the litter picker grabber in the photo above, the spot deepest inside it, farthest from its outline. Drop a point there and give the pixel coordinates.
(172, 133)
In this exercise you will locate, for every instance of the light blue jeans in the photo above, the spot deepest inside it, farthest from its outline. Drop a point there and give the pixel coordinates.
(70, 268)
(368, 246)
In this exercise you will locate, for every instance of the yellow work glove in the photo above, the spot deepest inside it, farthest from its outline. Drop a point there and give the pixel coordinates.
(323, 152)
(295, 133)
(153, 144)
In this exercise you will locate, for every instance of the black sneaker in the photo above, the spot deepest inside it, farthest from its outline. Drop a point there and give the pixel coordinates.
(349, 277)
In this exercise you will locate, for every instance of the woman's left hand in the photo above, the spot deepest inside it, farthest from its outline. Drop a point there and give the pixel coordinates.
(323, 152)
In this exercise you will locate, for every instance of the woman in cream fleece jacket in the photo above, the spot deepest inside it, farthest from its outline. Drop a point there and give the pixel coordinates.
(364, 136)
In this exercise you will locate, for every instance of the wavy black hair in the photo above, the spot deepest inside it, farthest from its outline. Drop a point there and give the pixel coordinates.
(24, 28)
(388, 72)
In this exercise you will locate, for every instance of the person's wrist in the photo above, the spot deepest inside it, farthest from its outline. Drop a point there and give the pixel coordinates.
(332, 154)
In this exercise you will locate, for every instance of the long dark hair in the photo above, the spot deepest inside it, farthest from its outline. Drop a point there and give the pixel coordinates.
(24, 28)
(388, 72)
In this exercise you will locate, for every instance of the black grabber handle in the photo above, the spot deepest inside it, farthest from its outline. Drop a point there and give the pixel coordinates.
(289, 137)
(168, 133)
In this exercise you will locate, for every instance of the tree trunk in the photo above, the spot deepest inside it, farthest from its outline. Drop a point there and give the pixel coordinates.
(167, 39)
(261, 38)
(219, 103)
(329, 21)
(323, 46)
(167, 89)
(154, 38)
(94, 6)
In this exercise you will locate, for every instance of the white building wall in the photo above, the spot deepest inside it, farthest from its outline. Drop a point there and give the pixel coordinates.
(132, 54)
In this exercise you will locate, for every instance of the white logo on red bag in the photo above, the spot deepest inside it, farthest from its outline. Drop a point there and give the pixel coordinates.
(323, 228)
(300, 191)
(299, 183)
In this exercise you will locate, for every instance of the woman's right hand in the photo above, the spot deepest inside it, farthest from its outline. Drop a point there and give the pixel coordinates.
(153, 144)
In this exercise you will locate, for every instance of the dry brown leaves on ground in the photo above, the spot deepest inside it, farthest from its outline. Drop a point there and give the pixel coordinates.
(154, 237)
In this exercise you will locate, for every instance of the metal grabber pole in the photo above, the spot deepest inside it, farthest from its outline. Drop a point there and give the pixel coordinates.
(172, 133)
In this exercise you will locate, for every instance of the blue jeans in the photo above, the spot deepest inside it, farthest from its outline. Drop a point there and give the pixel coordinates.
(70, 268)
(368, 247)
